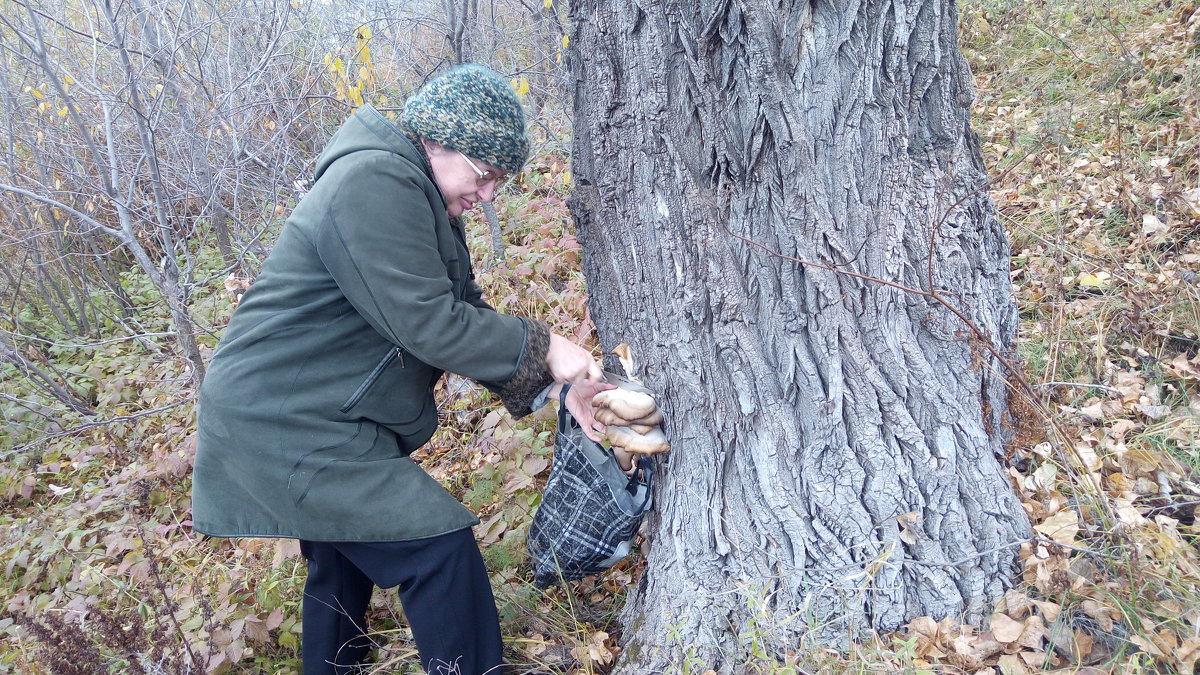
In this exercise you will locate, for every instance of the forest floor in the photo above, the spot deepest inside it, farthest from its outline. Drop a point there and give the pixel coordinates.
(1088, 119)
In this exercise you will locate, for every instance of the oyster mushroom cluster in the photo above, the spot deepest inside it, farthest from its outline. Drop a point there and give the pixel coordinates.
(633, 418)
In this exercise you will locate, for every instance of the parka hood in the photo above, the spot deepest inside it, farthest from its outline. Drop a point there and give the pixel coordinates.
(367, 129)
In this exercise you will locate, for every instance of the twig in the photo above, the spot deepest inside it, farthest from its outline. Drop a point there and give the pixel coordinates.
(957, 563)
(1051, 542)
(1082, 385)
(85, 345)
(98, 423)
(151, 557)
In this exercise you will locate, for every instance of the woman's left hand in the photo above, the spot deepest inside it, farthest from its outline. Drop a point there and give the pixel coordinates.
(579, 402)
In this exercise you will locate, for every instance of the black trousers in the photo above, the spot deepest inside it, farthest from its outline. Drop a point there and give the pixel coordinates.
(444, 588)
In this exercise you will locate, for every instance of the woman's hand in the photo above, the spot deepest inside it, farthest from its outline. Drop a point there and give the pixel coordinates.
(579, 403)
(568, 362)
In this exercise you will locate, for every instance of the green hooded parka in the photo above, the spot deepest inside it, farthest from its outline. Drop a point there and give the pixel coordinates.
(322, 384)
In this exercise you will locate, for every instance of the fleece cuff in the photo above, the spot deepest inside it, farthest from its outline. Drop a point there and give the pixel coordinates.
(532, 377)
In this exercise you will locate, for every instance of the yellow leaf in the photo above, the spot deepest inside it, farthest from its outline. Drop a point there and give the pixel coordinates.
(295, 4)
(1061, 527)
(1094, 280)
(566, 41)
(566, 178)
(549, 4)
(520, 85)
(363, 32)
(62, 112)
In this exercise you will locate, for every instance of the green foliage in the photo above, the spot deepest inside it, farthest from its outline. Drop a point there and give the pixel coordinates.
(482, 492)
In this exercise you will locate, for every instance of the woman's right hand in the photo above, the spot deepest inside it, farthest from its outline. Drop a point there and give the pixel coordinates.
(568, 362)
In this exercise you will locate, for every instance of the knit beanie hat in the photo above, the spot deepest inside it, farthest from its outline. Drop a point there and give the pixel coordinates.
(472, 110)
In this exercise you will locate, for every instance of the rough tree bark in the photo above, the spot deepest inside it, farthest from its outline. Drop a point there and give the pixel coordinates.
(835, 439)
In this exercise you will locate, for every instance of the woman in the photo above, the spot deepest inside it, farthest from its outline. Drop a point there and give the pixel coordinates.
(323, 382)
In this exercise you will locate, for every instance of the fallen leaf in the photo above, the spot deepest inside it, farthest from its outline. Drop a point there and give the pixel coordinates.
(1005, 628)
(1061, 527)
(1103, 614)
(1152, 226)
(1048, 610)
(1070, 644)
(1037, 660)
(1154, 412)
(1180, 366)
(1017, 604)
(1192, 197)
(1121, 427)
(517, 480)
(493, 528)
(1033, 634)
(1011, 664)
(1128, 514)
(1043, 477)
(1139, 461)
(1187, 655)
(923, 625)
(1094, 411)
(1149, 646)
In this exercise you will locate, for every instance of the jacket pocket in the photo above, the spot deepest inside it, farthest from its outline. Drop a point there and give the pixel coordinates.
(393, 354)
(395, 393)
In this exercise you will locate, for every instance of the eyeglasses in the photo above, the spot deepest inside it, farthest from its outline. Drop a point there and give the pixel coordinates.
(485, 177)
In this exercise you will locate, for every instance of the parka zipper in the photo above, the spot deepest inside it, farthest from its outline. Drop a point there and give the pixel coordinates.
(372, 376)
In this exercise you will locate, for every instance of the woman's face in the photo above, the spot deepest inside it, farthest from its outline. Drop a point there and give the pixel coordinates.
(460, 180)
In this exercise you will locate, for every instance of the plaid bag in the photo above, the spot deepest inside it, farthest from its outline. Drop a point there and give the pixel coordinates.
(590, 509)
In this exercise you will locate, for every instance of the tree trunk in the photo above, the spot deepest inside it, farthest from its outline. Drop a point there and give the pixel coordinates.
(835, 439)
